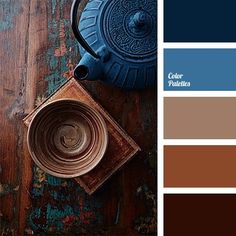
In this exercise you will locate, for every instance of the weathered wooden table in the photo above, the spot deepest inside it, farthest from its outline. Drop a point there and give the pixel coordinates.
(38, 53)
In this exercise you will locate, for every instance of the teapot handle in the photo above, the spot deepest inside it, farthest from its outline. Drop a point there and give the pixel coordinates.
(75, 29)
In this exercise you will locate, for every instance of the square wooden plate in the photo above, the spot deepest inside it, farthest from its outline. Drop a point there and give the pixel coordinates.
(121, 147)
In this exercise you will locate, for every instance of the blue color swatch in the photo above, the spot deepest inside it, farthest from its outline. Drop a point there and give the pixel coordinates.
(200, 69)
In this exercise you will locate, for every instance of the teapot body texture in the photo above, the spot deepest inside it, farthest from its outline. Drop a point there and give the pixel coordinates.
(126, 30)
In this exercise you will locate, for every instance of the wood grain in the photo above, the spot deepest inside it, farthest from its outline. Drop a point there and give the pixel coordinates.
(38, 53)
(13, 69)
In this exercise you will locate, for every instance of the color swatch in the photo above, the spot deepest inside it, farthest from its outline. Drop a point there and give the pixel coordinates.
(199, 21)
(199, 214)
(199, 166)
(199, 69)
(200, 117)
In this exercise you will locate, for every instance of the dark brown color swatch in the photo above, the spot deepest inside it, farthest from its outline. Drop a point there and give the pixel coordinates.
(199, 117)
(199, 214)
(200, 166)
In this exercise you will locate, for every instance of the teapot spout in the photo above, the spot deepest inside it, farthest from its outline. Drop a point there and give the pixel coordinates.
(89, 68)
(81, 72)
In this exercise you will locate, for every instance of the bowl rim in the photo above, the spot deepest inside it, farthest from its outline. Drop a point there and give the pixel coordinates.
(103, 149)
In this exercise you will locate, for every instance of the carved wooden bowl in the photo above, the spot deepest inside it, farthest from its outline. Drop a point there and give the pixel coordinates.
(67, 138)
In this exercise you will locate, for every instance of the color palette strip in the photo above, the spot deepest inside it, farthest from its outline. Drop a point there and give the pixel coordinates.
(199, 69)
(199, 166)
(200, 117)
(199, 214)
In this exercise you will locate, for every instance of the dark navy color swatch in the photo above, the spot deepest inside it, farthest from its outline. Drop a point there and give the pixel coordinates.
(199, 21)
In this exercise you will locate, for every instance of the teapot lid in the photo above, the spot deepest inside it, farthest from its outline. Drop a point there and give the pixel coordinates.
(129, 28)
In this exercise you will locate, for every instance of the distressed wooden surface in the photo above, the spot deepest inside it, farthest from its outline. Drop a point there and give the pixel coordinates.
(37, 54)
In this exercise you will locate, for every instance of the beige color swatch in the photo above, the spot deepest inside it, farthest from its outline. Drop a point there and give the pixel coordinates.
(199, 117)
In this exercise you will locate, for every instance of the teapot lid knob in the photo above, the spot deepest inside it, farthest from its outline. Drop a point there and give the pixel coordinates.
(140, 23)
(139, 18)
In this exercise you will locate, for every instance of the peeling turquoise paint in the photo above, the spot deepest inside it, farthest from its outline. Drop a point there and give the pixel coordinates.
(58, 65)
(62, 4)
(38, 183)
(5, 25)
(54, 82)
(54, 4)
(53, 181)
(53, 213)
(63, 204)
(52, 61)
(56, 195)
(67, 205)
(32, 216)
(37, 212)
(37, 192)
(9, 12)
(59, 33)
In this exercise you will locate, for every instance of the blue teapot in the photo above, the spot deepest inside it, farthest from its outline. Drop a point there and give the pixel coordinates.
(118, 42)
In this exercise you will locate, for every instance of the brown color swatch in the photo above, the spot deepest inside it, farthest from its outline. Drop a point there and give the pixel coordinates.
(200, 166)
(199, 214)
(199, 117)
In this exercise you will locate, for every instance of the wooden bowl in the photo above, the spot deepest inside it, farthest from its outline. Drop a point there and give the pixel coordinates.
(67, 138)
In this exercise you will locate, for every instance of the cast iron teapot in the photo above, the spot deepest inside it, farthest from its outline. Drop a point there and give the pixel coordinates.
(118, 42)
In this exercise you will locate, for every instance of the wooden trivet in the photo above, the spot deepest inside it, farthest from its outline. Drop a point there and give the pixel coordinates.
(121, 147)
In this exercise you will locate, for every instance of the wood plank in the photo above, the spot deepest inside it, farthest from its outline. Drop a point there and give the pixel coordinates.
(36, 42)
(13, 66)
